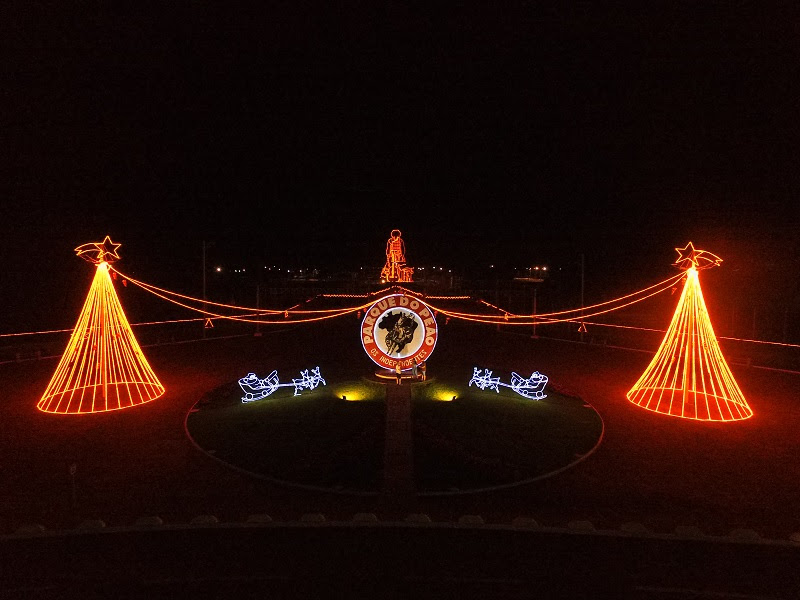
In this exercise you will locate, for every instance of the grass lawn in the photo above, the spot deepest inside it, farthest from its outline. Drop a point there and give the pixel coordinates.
(315, 438)
(481, 439)
(485, 438)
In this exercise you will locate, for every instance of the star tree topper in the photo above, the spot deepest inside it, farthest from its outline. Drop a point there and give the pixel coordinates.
(98, 252)
(689, 257)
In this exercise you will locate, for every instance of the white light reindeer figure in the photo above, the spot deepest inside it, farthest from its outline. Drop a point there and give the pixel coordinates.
(485, 381)
(307, 382)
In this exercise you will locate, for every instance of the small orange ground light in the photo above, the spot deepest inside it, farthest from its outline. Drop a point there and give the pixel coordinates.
(689, 377)
(103, 367)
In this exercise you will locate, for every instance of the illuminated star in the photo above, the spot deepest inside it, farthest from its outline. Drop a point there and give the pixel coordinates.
(686, 255)
(97, 252)
(689, 257)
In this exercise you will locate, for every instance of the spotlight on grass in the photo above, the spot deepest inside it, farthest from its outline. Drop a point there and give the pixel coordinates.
(444, 394)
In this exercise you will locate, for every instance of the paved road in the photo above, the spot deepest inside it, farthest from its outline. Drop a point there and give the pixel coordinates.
(398, 463)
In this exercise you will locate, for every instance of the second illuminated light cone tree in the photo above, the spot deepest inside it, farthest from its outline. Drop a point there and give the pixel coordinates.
(689, 377)
(103, 367)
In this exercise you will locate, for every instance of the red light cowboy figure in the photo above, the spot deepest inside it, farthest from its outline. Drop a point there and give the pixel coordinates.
(395, 269)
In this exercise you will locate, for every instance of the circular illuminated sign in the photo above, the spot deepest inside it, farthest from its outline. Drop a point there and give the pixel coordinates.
(398, 328)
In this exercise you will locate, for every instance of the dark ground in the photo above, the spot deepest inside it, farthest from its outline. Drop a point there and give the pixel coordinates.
(659, 471)
(662, 472)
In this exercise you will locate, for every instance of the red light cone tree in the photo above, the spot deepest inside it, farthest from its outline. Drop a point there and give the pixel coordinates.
(688, 377)
(103, 367)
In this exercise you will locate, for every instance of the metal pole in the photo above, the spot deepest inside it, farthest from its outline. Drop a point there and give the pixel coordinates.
(258, 305)
(534, 311)
(204, 285)
(582, 287)
(497, 294)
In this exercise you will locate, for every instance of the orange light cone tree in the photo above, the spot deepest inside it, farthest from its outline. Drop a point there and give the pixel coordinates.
(103, 367)
(688, 377)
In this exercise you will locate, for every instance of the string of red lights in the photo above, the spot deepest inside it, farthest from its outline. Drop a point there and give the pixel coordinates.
(286, 314)
(544, 319)
(166, 294)
(579, 312)
(490, 319)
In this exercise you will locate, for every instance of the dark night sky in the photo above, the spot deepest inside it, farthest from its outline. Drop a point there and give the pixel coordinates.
(499, 132)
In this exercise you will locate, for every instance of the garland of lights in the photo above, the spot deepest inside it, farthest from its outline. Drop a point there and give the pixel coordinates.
(688, 376)
(170, 297)
(254, 312)
(294, 315)
(563, 316)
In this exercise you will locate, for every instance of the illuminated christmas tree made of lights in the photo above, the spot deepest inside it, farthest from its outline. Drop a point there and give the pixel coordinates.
(103, 367)
(688, 377)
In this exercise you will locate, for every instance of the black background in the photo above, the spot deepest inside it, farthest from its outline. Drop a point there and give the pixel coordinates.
(300, 134)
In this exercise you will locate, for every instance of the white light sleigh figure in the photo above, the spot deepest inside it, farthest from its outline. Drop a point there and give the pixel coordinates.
(257, 389)
(531, 387)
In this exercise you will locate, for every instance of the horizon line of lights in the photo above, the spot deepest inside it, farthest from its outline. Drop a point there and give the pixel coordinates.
(221, 268)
